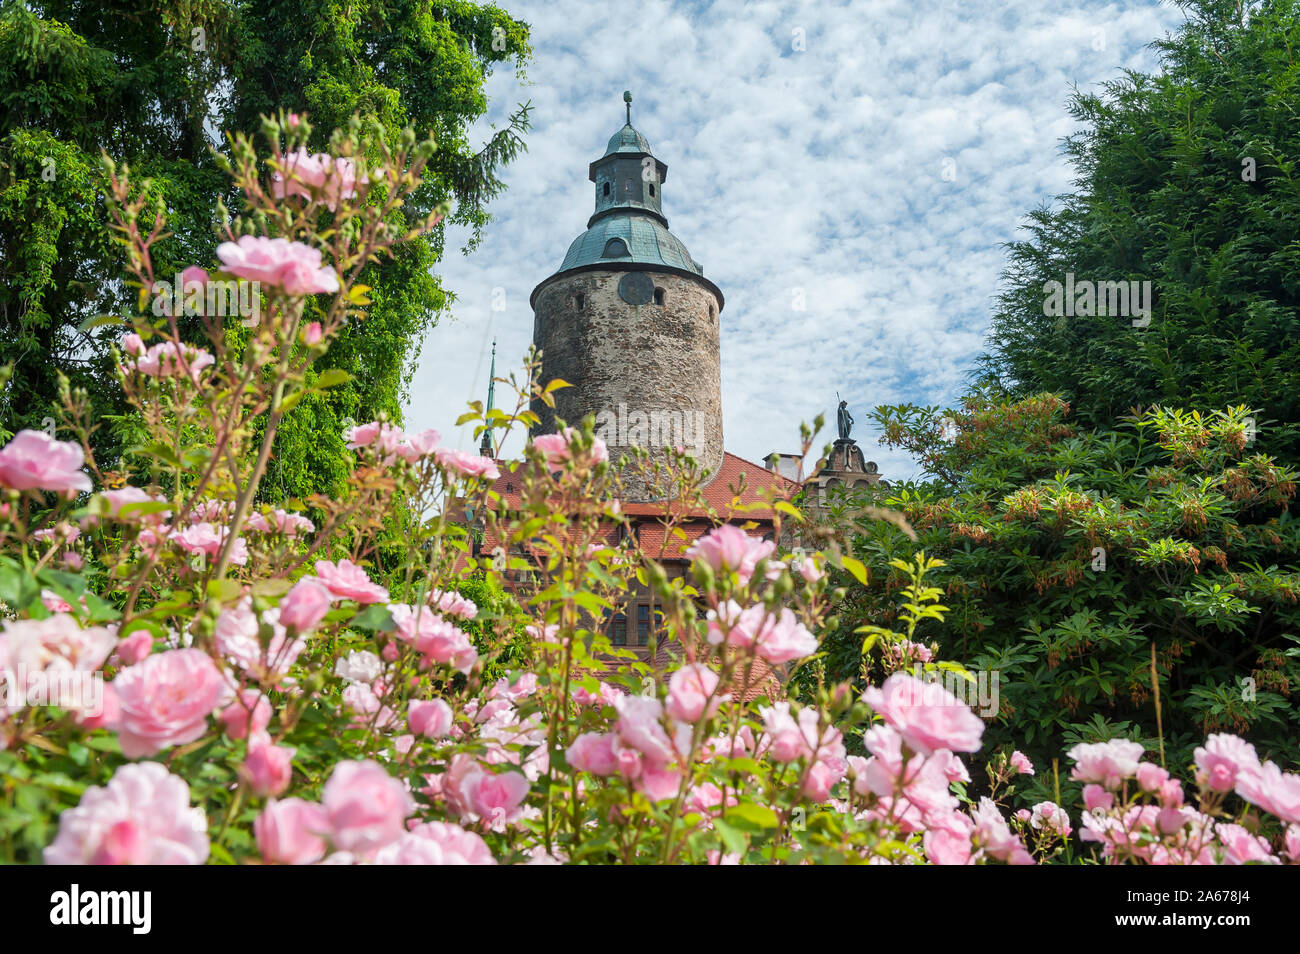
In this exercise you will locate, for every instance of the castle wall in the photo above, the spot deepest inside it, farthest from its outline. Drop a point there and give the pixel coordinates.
(650, 374)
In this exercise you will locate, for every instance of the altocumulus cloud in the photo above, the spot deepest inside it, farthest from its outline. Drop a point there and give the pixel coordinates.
(845, 172)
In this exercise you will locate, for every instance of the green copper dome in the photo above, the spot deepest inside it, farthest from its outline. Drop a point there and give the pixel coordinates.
(620, 239)
(628, 139)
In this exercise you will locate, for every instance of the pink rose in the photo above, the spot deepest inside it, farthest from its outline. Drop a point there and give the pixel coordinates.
(659, 784)
(451, 603)
(305, 605)
(208, 539)
(291, 832)
(945, 847)
(639, 726)
(995, 836)
(1106, 763)
(125, 504)
(268, 768)
(434, 637)
(436, 843)
(728, 548)
(293, 266)
(1241, 847)
(239, 639)
(366, 806)
(821, 777)
(1150, 777)
(809, 570)
(166, 700)
(1272, 790)
(689, 692)
(1020, 762)
(782, 638)
(430, 719)
(330, 178)
(416, 446)
(131, 649)
(466, 464)
(312, 334)
(496, 797)
(604, 695)
(280, 521)
(35, 461)
(347, 581)
(926, 715)
(1222, 758)
(55, 644)
(109, 715)
(594, 752)
(167, 360)
(521, 688)
(249, 713)
(1095, 797)
(1291, 844)
(1049, 816)
(143, 817)
(554, 448)
(384, 439)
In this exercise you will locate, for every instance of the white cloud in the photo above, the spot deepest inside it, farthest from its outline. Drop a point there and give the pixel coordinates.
(821, 169)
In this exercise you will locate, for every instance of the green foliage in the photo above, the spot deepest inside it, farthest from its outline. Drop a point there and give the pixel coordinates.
(148, 83)
(1187, 179)
(1069, 552)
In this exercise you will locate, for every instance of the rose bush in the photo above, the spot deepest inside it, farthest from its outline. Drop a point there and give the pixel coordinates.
(261, 686)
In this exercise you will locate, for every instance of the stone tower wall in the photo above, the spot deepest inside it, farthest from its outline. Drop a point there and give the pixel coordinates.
(659, 361)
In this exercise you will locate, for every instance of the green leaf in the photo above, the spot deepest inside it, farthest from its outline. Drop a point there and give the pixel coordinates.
(759, 816)
(332, 377)
(374, 618)
(855, 567)
(735, 841)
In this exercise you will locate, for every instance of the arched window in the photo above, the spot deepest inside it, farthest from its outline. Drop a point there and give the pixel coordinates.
(615, 248)
(659, 296)
(652, 188)
(606, 188)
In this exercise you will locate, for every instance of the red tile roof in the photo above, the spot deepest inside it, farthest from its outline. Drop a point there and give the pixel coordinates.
(719, 493)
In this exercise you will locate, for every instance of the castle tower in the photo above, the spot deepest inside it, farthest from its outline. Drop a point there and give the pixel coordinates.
(630, 321)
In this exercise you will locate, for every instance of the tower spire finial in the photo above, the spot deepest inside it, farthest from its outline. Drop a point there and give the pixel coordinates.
(485, 445)
(627, 100)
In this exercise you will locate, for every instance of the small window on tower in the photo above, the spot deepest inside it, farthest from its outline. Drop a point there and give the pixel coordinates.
(579, 300)
(652, 188)
(606, 188)
(659, 296)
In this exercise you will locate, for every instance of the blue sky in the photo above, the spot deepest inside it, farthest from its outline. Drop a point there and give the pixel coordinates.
(867, 159)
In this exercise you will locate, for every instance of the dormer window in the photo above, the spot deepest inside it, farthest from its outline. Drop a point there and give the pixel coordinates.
(616, 248)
